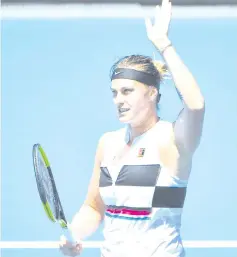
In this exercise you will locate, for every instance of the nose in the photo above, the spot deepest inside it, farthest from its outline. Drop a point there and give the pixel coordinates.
(119, 99)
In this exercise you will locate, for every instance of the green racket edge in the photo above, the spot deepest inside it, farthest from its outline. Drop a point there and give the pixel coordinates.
(44, 155)
(46, 206)
(49, 213)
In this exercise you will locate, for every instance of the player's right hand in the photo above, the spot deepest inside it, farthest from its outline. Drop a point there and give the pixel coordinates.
(68, 248)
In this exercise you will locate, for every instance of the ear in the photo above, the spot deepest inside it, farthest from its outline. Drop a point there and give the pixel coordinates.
(154, 93)
(158, 98)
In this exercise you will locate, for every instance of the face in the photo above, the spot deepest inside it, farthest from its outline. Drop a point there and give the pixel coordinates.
(134, 101)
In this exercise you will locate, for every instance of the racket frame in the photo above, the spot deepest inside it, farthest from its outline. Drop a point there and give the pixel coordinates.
(60, 216)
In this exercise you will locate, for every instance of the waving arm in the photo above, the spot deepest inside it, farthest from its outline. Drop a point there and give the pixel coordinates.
(188, 126)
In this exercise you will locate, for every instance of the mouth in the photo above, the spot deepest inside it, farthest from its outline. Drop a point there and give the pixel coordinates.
(123, 110)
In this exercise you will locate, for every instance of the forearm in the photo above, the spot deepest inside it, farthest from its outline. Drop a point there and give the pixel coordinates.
(85, 222)
(183, 79)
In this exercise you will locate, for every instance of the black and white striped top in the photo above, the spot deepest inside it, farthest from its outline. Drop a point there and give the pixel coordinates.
(144, 201)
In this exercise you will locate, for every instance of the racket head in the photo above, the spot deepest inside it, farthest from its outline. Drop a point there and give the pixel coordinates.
(46, 186)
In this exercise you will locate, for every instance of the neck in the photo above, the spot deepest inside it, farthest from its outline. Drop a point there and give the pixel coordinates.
(139, 129)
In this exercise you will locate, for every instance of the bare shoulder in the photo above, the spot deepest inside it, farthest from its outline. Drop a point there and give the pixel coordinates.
(93, 198)
(110, 136)
(164, 124)
(166, 131)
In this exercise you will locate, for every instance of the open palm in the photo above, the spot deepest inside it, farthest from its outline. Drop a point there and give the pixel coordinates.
(158, 32)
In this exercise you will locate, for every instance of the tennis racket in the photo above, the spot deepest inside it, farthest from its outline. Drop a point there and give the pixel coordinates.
(46, 187)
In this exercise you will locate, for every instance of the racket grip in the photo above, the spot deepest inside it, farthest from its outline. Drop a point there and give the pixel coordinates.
(69, 236)
(69, 239)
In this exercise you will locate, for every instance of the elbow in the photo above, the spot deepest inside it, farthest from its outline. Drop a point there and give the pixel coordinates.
(197, 103)
(98, 208)
(200, 103)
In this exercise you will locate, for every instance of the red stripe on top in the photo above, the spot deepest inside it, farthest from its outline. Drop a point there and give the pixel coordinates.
(129, 212)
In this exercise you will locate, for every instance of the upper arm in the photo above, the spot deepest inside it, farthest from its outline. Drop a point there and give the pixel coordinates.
(93, 198)
(188, 129)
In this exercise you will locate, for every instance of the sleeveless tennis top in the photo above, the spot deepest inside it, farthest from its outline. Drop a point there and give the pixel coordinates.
(143, 201)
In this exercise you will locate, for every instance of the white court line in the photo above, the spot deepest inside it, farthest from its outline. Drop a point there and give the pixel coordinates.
(128, 11)
(97, 244)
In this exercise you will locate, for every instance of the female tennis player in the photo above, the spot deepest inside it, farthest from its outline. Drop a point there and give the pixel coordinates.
(141, 172)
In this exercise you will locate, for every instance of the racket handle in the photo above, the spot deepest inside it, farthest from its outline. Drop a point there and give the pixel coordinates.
(69, 239)
(69, 236)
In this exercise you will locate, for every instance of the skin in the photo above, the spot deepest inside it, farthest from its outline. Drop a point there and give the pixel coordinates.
(183, 138)
(142, 116)
(141, 101)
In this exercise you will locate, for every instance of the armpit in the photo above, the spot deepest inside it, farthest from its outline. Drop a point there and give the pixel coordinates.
(188, 129)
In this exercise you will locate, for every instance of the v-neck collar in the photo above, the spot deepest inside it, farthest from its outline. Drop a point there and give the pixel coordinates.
(127, 135)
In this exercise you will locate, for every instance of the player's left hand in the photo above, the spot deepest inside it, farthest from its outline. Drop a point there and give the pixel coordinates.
(158, 32)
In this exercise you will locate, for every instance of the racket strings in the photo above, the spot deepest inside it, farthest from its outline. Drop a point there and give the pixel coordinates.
(47, 186)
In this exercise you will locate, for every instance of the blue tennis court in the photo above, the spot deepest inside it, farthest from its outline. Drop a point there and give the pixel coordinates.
(55, 91)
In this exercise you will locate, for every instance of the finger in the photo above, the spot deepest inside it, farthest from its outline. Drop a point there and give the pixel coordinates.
(165, 3)
(78, 248)
(170, 7)
(148, 24)
(166, 13)
(157, 11)
(70, 250)
(157, 15)
(166, 7)
(66, 251)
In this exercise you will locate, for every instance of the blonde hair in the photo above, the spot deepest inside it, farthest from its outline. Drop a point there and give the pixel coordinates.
(162, 69)
(146, 64)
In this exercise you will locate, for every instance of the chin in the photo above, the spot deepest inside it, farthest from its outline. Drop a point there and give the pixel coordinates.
(124, 119)
(133, 121)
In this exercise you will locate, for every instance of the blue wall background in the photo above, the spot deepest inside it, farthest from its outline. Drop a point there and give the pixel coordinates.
(55, 91)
